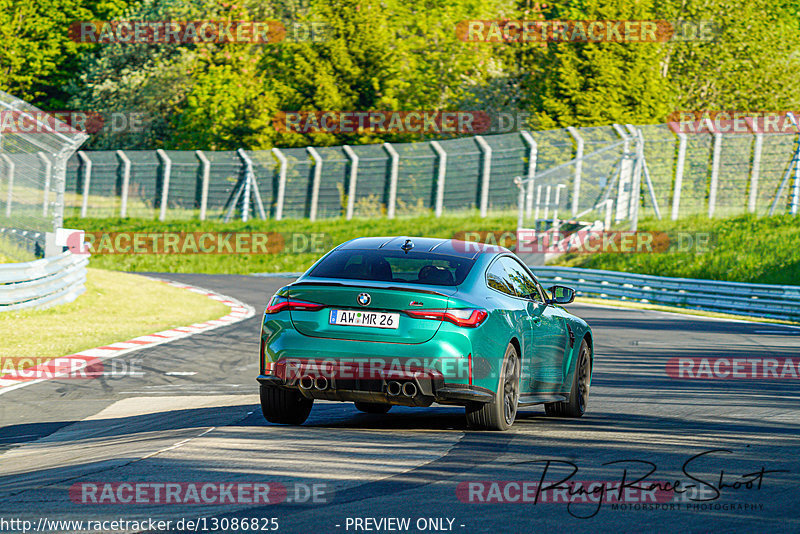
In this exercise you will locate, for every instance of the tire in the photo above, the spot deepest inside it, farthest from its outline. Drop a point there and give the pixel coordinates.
(284, 406)
(373, 407)
(579, 392)
(501, 412)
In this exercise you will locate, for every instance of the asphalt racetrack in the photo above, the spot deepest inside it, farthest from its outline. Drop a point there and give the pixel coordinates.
(186, 414)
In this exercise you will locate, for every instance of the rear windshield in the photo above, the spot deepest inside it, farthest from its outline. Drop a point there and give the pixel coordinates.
(394, 266)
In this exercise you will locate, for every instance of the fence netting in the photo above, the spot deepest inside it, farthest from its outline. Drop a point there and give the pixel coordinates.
(607, 162)
(34, 152)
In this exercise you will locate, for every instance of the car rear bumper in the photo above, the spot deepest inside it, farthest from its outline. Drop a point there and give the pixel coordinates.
(426, 389)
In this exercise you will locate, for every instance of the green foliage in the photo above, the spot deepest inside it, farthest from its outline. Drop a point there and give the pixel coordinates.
(392, 55)
(37, 55)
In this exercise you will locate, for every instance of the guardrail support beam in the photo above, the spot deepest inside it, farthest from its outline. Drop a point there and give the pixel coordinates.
(86, 164)
(126, 180)
(284, 164)
(205, 174)
(441, 172)
(10, 169)
(486, 171)
(352, 179)
(48, 171)
(165, 177)
(315, 183)
(393, 172)
(533, 155)
(715, 162)
(625, 175)
(679, 166)
(576, 191)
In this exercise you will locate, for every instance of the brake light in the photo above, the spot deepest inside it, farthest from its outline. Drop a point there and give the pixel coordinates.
(279, 304)
(469, 318)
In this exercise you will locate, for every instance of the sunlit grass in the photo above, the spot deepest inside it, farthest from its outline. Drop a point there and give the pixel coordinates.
(115, 307)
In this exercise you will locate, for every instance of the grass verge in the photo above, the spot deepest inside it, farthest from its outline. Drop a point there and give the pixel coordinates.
(297, 259)
(115, 307)
(744, 248)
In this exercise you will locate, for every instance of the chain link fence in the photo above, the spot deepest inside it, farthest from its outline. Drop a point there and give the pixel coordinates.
(35, 151)
(621, 172)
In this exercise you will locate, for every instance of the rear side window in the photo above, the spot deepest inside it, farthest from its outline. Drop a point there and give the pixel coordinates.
(394, 266)
(497, 278)
(524, 286)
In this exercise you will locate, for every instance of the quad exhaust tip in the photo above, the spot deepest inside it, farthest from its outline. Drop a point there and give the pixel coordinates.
(409, 389)
(321, 383)
(306, 382)
(394, 388)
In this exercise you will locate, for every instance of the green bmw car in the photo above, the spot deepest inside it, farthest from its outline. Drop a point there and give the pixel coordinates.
(412, 321)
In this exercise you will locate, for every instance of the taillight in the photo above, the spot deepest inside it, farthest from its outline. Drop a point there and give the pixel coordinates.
(466, 317)
(278, 304)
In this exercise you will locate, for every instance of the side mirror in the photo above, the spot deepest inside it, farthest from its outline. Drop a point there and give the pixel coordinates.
(561, 295)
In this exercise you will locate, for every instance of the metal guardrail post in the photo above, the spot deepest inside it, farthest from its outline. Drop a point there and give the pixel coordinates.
(126, 180)
(637, 133)
(251, 187)
(679, 166)
(162, 215)
(393, 171)
(351, 181)
(533, 156)
(205, 177)
(284, 163)
(538, 202)
(60, 182)
(520, 204)
(625, 175)
(10, 198)
(86, 163)
(548, 189)
(795, 196)
(48, 170)
(636, 189)
(576, 192)
(559, 187)
(247, 186)
(755, 165)
(312, 212)
(609, 214)
(755, 168)
(715, 162)
(441, 172)
(486, 171)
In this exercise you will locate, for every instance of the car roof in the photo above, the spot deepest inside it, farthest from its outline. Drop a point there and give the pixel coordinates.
(449, 247)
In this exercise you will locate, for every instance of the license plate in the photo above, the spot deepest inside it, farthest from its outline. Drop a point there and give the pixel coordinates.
(364, 318)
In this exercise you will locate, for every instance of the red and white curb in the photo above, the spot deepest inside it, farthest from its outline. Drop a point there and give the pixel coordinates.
(72, 363)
